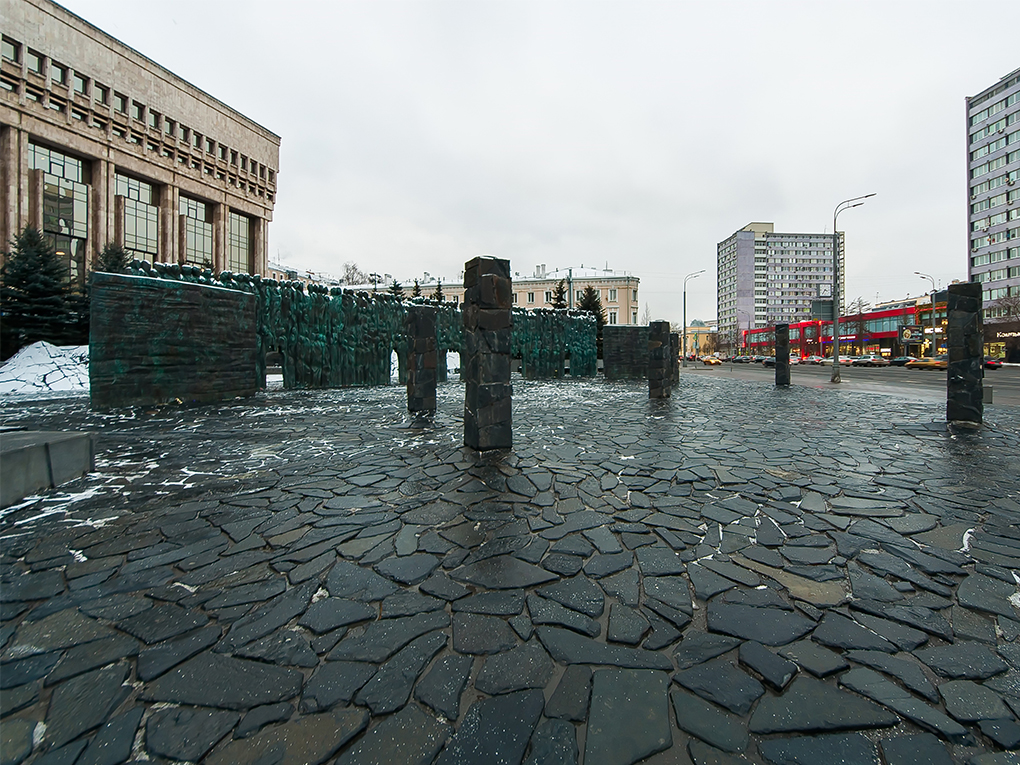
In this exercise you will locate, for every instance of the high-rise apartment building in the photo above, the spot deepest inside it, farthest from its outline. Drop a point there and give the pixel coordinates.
(99, 144)
(993, 192)
(765, 278)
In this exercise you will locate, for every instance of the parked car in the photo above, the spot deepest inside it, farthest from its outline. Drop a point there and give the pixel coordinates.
(900, 361)
(871, 360)
(846, 360)
(710, 361)
(939, 362)
(769, 361)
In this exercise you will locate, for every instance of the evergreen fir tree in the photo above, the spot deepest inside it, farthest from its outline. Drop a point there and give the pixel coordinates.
(33, 294)
(559, 298)
(438, 294)
(114, 259)
(592, 302)
(416, 292)
(397, 290)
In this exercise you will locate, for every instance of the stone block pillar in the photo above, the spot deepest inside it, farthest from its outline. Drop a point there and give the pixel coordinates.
(485, 360)
(964, 337)
(420, 322)
(674, 356)
(782, 355)
(659, 368)
(442, 371)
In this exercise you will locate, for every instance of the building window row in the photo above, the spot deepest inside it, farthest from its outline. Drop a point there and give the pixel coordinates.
(994, 127)
(1008, 179)
(173, 138)
(998, 106)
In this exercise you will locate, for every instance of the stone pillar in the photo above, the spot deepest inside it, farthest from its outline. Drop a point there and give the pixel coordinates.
(485, 360)
(659, 371)
(420, 322)
(964, 338)
(782, 355)
(442, 371)
(674, 356)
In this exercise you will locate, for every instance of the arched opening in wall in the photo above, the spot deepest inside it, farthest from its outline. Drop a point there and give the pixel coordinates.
(274, 368)
(453, 363)
(396, 371)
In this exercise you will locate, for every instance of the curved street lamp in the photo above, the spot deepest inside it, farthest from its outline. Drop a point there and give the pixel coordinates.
(934, 341)
(695, 275)
(846, 204)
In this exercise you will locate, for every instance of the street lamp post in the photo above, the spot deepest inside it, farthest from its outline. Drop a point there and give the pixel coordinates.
(695, 275)
(748, 317)
(846, 204)
(932, 280)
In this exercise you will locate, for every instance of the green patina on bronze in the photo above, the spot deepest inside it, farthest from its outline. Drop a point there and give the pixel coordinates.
(332, 337)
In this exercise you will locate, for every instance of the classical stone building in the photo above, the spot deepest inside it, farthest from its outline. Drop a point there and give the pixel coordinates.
(100, 144)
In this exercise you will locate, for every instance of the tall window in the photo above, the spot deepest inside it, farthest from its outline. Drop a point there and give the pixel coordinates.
(65, 205)
(141, 216)
(198, 246)
(239, 244)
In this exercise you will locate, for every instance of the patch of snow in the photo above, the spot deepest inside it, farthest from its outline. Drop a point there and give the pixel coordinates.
(966, 540)
(44, 368)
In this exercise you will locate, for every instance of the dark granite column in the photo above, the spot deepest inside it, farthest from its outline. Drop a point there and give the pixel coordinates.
(782, 354)
(420, 322)
(659, 368)
(674, 356)
(442, 372)
(485, 361)
(965, 378)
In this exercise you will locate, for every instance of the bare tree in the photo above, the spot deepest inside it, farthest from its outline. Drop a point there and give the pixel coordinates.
(353, 274)
(1010, 306)
(858, 324)
(646, 316)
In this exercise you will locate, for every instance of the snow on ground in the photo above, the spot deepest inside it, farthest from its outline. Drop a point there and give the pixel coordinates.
(45, 368)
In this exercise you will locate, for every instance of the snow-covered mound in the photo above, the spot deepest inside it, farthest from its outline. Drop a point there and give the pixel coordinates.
(45, 368)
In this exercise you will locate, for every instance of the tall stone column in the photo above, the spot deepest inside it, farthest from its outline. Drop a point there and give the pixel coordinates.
(485, 362)
(659, 370)
(782, 355)
(965, 341)
(420, 323)
(674, 356)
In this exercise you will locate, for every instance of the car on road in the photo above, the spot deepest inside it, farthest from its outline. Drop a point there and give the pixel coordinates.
(900, 361)
(710, 361)
(871, 360)
(992, 363)
(794, 360)
(939, 362)
(813, 360)
(768, 361)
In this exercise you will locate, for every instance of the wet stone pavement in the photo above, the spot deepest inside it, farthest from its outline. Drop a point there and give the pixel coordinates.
(735, 574)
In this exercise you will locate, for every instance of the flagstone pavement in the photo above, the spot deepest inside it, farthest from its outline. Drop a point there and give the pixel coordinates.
(736, 574)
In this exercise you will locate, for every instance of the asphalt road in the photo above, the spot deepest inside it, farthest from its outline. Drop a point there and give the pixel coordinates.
(897, 381)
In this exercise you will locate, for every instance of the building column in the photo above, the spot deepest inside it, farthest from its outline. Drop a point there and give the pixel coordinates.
(219, 237)
(10, 185)
(260, 250)
(99, 234)
(169, 203)
(35, 199)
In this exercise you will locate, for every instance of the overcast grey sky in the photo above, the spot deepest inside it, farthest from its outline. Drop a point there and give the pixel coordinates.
(417, 135)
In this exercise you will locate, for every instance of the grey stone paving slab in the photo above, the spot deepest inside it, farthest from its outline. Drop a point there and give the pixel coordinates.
(523, 667)
(600, 565)
(215, 680)
(871, 684)
(907, 672)
(156, 660)
(671, 590)
(270, 617)
(478, 634)
(349, 580)
(969, 702)
(604, 540)
(185, 733)
(570, 699)
(503, 573)
(83, 703)
(703, 754)
(723, 683)
(1005, 733)
(810, 705)
(288, 648)
(62, 629)
(837, 631)
(918, 749)
(335, 682)
(697, 647)
(570, 648)
(379, 640)
(709, 723)
(495, 730)
(553, 743)
(409, 737)
(16, 741)
(441, 688)
(769, 626)
(845, 748)
(963, 660)
(774, 670)
(256, 719)
(407, 603)
(984, 593)
(903, 637)
(629, 717)
(578, 593)
(544, 611)
(329, 613)
(390, 687)
(501, 603)
(309, 740)
(626, 625)
(659, 561)
(410, 569)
